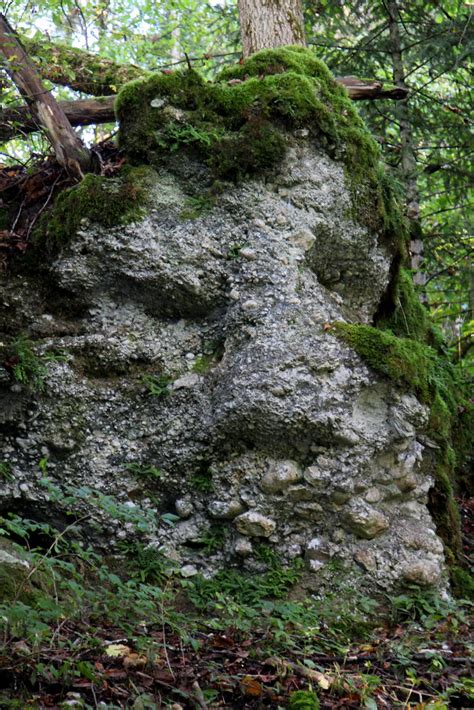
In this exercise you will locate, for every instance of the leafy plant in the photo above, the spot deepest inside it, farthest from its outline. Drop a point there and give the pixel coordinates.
(202, 481)
(145, 471)
(158, 385)
(304, 700)
(213, 538)
(195, 206)
(6, 471)
(426, 607)
(146, 563)
(29, 368)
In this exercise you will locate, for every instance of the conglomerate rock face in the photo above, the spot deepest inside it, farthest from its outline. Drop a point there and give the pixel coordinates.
(200, 378)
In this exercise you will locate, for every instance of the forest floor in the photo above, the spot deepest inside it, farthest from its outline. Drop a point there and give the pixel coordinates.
(127, 643)
(422, 664)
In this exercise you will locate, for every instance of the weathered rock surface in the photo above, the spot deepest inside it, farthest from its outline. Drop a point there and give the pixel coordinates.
(265, 422)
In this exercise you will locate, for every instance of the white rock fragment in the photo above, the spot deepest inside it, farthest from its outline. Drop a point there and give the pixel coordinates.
(188, 571)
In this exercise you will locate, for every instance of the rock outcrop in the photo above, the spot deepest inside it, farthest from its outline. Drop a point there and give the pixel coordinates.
(198, 383)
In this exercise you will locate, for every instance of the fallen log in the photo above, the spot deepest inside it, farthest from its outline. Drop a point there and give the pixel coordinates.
(18, 121)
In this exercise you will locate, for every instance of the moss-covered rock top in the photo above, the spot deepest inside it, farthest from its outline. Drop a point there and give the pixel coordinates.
(106, 201)
(237, 123)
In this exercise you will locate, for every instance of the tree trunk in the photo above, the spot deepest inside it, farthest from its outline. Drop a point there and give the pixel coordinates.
(69, 150)
(270, 23)
(407, 154)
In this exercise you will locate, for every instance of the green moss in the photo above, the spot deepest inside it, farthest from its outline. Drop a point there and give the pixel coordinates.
(463, 583)
(408, 318)
(405, 361)
(304, 700)
(106, 201)
(237, 124)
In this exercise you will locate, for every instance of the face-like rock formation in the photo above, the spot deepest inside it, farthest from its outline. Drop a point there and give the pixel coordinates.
(201, 378)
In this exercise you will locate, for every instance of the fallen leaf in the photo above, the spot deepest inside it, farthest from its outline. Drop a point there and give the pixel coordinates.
(251, 687)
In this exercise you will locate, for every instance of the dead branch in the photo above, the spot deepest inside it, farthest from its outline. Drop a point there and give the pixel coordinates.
(68, 148)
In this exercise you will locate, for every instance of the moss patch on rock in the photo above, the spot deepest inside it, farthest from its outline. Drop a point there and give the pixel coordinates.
(406, 316)
(416, 366)
(108, 201)
(405, 361)
(239, 125)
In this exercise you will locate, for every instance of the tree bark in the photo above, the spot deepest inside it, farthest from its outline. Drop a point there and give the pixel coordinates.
(270, 23)
(69, 150)
(407, 153)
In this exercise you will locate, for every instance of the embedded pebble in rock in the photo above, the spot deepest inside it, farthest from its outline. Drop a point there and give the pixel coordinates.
(202, 388)
(425, 574)
(184, 507)
(255, 525)
(316, 549)
(366, 559)
(243, 547)
(225, 510)
(280, 475)
(365, 521)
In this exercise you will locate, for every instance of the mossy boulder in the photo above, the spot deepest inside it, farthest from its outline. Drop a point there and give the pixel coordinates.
(242, 123)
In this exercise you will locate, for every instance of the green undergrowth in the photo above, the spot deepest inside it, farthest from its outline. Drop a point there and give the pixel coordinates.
(237, 124)
(426, 371)
(58, 611)
(107, 201)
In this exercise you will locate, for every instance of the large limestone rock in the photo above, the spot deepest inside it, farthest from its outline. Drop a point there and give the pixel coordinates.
(265, 421)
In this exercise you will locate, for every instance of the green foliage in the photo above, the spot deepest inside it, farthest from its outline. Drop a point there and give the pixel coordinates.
(6, 471)
(146, 564)
(146, 471)
(213, 538)
(202, 481)
(427, 608)
(246, 589)
(27, 367)
(196, 206)
(106, 201)
(463, 583)
(158, 385)
(304, 700)
(408, 317)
